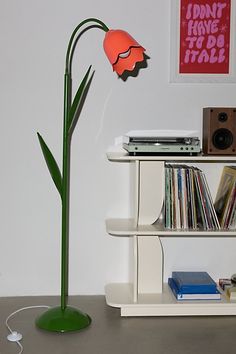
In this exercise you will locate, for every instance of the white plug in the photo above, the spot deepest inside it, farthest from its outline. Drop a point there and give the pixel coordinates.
(14, 336)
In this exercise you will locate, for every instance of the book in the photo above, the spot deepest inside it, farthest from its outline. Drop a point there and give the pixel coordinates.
(193, 211)
(231, 293)
(215, 222)
(192, 296)
(229, 210)
(194, 282)
(176, 199)
(201, 204)
(168, 222)
(232, 224)
(225, 198)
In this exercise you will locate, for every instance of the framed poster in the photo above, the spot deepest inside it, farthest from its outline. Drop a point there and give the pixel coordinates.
(202, 41)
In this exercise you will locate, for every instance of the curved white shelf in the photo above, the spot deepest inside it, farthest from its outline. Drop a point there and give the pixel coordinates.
(127, 227)
(163, 304)
(123, 156)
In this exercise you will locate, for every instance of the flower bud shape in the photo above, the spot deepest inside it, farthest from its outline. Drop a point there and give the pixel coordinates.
(122, 50)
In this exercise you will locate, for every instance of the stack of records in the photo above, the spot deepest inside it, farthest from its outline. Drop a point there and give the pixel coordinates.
(188, 201)
(193, 286)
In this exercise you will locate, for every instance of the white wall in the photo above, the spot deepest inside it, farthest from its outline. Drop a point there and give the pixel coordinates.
(33, 40)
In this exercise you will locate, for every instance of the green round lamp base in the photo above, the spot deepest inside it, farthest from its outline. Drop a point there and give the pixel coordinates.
(58, 320)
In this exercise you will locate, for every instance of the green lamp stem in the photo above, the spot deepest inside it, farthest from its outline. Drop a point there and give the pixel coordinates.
(66, 158)
(65, 193)
(70, 47)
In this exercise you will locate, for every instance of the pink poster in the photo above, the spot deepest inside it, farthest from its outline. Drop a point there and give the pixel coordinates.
(204, 37)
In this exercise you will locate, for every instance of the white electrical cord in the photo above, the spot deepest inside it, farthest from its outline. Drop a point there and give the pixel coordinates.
(14, 336)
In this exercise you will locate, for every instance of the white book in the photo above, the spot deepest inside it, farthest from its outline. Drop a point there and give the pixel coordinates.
(216, 296)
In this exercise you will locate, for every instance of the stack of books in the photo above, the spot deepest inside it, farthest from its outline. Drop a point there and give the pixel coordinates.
(188, 201)
(193, 286)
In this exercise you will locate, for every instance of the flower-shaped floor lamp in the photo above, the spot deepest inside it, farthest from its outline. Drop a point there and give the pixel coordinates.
(124, 53)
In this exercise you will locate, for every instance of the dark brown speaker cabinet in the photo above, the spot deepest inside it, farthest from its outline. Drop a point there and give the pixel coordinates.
(219, 131)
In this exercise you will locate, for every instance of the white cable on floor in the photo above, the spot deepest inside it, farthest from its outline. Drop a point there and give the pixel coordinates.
(14, 336)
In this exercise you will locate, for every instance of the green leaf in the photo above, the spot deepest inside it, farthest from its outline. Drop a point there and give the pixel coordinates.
(52, 165)
(77, 99)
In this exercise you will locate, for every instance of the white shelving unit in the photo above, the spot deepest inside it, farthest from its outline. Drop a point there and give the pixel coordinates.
(146, 295)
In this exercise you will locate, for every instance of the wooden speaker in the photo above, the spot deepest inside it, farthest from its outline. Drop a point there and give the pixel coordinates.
(219, 131)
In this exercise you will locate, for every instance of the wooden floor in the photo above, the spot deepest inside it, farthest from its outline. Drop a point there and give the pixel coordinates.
(111, 334)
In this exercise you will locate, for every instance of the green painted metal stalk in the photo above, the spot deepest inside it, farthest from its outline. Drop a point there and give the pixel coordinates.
(72, 43)
(65, 194)
(66, 159)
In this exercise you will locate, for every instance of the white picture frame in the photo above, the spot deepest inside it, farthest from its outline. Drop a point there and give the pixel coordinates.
(175, 75)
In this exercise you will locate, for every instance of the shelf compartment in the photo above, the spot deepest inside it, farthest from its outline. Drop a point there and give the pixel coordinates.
(128, 227)
(120, 295)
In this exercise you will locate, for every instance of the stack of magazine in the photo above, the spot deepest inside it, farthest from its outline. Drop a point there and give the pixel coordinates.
(188, 201)
(193, 286)
(225, 202)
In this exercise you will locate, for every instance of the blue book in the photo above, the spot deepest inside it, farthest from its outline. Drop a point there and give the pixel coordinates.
(194, 282)
(195, 296)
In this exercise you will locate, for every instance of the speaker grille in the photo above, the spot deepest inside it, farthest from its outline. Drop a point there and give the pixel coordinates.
(222, 139)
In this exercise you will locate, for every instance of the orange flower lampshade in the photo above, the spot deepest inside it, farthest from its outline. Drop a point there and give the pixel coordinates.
(122, 50)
